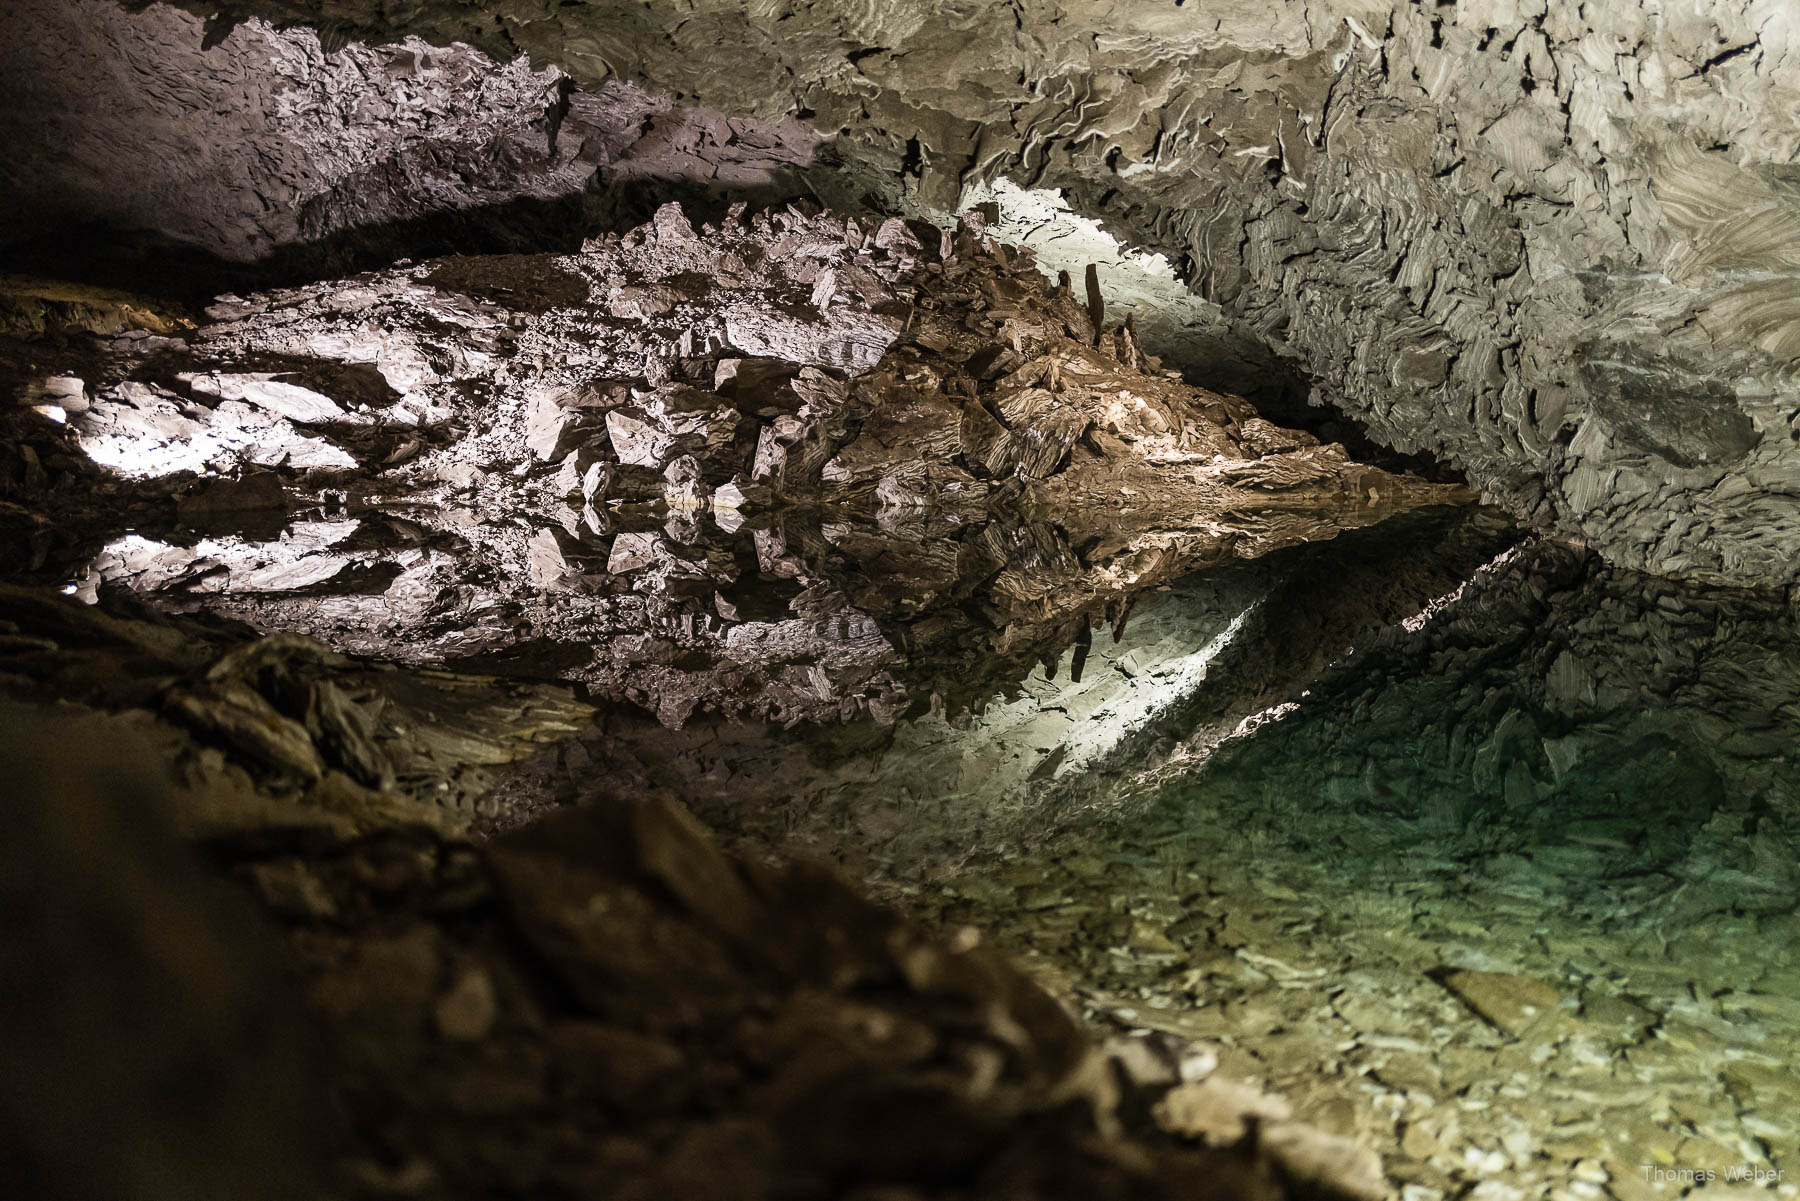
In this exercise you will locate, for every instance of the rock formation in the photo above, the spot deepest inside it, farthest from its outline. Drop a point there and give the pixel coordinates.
(186, 155)
(1605, 685)
(791, 467)
(1544, 242)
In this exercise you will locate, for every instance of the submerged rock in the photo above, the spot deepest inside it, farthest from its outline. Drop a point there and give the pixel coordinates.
(1516, 1004)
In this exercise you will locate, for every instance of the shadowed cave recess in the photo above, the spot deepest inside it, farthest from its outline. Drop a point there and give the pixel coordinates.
(784, 600)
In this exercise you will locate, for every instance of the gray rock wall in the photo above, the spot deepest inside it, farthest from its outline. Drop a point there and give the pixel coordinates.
(259, 139)
(1547, 242)
(176, 154)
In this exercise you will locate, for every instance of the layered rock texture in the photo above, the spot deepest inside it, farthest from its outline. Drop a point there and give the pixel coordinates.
(1547, 243)
(187, 155)
(790, 467)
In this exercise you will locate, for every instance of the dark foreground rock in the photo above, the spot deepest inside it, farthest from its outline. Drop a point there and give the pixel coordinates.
(153, 1043)
(602, 1006)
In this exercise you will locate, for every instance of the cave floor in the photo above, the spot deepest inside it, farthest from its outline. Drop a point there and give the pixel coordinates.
(1585, 1052)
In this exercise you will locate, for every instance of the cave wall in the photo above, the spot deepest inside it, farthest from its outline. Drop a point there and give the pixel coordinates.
(260, 140)
(1546, 242)
(184, 156)
(1549, 243)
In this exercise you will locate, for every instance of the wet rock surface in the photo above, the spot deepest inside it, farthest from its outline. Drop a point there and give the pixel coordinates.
(604, 1005)
(280, 730)
(789, 467)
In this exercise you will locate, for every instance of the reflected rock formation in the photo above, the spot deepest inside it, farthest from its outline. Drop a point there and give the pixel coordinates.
(791, 467)
(1620, 743)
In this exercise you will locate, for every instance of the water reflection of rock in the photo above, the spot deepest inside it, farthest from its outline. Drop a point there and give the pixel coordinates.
(1563, 731)
(792, 616)
(1200, 659)
(789, 468)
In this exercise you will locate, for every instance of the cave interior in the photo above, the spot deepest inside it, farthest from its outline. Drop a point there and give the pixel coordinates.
(783, 600)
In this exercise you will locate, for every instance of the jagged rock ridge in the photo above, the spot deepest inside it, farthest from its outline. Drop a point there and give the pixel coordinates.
(788, 466)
